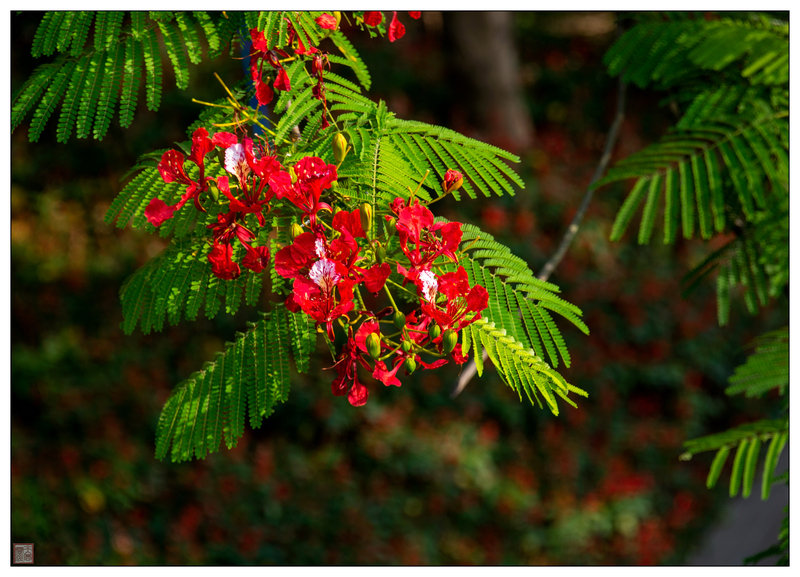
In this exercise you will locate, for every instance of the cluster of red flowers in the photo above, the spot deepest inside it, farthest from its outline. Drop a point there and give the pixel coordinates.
(396, 28)
(329, 261)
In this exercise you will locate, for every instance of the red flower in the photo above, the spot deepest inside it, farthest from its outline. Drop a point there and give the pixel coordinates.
(171, 170)
(415, 224)
(252, 174)
(346, 381)
(313, 176)
(226, 228)
(415, 15)
(256, 259)
(316, 294)
(221, 263)
(396, 28)
(373, 18)
(258, 54)
(461, 300)
(296, 259)
(326, 21)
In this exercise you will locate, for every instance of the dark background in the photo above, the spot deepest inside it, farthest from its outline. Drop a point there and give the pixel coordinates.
(413, 477)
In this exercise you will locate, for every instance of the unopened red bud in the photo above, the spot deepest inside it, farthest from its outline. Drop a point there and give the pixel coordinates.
(434, 331)
(297, 230)
(452, 181)
(366, 217)
(374, 345)
(399, 320)
(410, 365)
(449, 340)
(339, 145)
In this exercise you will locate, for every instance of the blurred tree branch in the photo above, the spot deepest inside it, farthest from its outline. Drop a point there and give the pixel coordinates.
(611, 140)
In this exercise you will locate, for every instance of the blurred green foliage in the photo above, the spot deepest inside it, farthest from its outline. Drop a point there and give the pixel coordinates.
(413, 477)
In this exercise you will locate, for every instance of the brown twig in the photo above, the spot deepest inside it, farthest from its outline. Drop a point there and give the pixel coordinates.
(611, 141)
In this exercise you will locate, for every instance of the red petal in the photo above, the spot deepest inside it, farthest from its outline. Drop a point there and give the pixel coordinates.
(375, 277)
(358, 394)
(415, 15)
(326, 21)
(396, 28)
(259, 40)
(257, 258)
(158, 211)
(385, 376)
(373, 18)
(201, 145)
(434, 365)
(264, 93)
(477, 299)
(224, 139)
(282, 81)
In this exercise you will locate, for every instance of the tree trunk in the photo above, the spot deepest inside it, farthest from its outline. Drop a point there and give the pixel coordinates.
(487, 58)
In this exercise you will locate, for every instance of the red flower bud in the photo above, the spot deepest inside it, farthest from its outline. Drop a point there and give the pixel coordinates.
(452, 181)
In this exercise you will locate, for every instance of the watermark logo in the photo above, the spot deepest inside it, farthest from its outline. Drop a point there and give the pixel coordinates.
(23, 553)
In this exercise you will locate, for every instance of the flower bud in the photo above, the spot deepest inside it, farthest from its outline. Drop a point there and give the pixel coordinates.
(339, 145)
(449, 340)
(434, 331)
(399, 320)
(406, 345)
(293, 174)
(366, 217)
(391, 226)
(374, 345)
(380, 253)
(338, 16)
(452, 181)
(297, 230)
(410, 365)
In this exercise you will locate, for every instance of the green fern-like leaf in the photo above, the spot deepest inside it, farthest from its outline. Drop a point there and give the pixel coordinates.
(41, 34)
(210, 406)
(69, 110)
(50, 101)
(696, 154)
(766, 369)
(152, 60)
(130, 81)
(210, 31)
(351, 58)
(109, 92)
(29, 95)
(176, 52)
(80, 32)
(191, 40)
(90, 94)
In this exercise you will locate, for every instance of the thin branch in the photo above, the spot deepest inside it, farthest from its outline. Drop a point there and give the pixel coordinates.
(550, 266)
